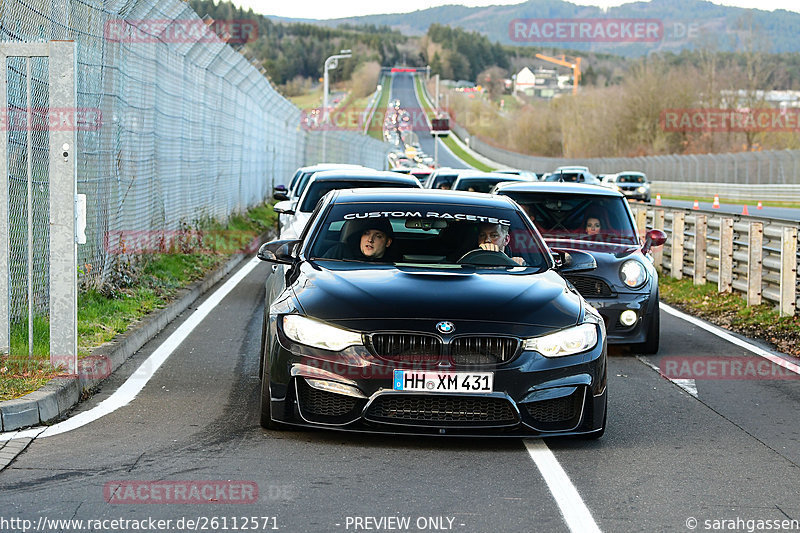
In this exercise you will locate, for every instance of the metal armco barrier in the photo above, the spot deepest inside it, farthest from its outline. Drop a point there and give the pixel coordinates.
(776, 192)
(751, 256)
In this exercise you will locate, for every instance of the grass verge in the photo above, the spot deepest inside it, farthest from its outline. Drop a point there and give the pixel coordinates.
(142, 283)
(375, 129)
(731, 312)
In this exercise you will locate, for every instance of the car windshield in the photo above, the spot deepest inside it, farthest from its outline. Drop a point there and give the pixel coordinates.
(443, 180)
(567, 176)
(318, 189)
(578, 216)
(478, 184)
(631, 178)
(432, 236)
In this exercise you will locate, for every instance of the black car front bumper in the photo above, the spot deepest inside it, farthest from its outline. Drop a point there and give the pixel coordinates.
(533, 396)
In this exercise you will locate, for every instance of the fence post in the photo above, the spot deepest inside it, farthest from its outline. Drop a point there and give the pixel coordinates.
(658, 254)
(755, 243)
(676, 270)
(788, 271)
(5, 300)
(641, 221)
(725, 281)
(700, 244)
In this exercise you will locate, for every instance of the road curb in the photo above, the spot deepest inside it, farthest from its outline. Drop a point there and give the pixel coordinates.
(60, 395)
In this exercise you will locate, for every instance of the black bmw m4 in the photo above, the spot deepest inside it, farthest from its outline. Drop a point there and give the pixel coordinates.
(429, 312)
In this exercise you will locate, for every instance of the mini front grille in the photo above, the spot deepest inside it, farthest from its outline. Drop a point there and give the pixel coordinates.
(483, 350)
(319, 403)
(441, 410)
(406, 347)
(590, 287)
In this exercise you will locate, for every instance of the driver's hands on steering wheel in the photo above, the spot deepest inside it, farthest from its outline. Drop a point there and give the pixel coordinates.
(492, 247)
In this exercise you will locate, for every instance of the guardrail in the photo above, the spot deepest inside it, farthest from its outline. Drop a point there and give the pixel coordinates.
(731, 191)
(753, 256)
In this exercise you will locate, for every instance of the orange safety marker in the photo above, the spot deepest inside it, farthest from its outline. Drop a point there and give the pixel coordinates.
(744, 210)
(715, 205)
(759, 205)
(696, 205)
(658, 199)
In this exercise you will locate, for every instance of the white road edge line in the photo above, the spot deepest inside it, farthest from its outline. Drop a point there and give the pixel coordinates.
(574, 511)
(721, 333)
(136, 382)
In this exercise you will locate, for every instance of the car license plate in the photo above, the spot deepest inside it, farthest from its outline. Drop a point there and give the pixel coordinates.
(448, 382)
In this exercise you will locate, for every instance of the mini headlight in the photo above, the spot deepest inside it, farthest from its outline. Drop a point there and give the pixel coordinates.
(567, 342)
(632, 273)
(318, 334)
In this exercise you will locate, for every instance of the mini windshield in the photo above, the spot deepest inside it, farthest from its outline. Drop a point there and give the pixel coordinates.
(578, 216)
(430, 235)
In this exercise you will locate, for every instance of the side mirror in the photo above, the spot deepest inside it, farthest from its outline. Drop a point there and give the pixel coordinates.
(575, 261)
(278, 251)
(653, 238)
(283, 208)
(280, 195)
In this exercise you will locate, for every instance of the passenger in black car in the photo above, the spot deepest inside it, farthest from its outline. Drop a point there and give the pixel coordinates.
(364, 241)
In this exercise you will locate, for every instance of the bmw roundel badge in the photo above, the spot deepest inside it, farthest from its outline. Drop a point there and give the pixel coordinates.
(445, 327)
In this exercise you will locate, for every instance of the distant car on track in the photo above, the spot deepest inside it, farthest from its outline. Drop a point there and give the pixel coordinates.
(632, 184)
(322, 182)
(483, 181)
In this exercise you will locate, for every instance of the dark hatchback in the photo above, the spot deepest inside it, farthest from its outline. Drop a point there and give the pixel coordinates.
(624, 287)
(439, 337)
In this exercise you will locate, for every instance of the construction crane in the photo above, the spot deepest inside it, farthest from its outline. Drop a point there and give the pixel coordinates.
(573, 63)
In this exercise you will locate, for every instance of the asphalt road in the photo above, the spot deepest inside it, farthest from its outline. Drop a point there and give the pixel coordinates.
(667, 456)
(403, 89)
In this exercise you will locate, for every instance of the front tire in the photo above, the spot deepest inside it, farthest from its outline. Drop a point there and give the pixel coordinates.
(651, 342)
(266, 402)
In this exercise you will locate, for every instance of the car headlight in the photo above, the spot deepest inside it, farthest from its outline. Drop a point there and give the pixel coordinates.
(632, 273)
(318, 334)
(641, 189)
(567, 342)
(615, 187)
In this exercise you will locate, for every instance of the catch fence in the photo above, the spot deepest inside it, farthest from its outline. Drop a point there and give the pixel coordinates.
(173, 127)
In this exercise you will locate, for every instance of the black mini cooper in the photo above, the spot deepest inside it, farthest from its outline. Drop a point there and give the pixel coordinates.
(585, 218)
(428, 312)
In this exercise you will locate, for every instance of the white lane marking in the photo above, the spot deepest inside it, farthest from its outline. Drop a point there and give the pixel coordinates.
(136, 382)
(721, 333)
(574, 511)
(689, 385)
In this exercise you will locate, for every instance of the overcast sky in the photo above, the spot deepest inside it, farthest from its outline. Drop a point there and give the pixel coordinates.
(326, 9)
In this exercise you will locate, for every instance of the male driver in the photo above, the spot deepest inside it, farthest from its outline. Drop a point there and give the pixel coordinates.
(374, 243)
(495, 237)
(374, 238)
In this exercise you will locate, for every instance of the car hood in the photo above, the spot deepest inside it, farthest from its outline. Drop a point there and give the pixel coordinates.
(598, 249)
(397, 297)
